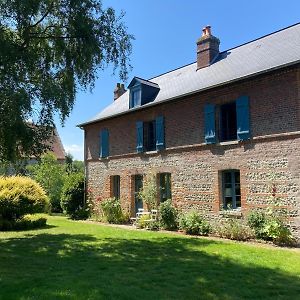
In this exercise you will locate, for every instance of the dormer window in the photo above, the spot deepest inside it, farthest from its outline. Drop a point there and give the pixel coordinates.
(141, 92)
(135, 96)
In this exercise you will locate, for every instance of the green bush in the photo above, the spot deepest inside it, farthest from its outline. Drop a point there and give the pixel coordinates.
(234, 229)
(168, 216)
(72, 199)
(112, 211)
(50, 174)
(25, 222)
(270, 227)
(143, 221)
(19, 196)
(194, 223)
(256, 220)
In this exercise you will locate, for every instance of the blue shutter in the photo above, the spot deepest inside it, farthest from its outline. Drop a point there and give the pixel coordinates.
(104, 145)
(210, 124)
(139, 137)
(160, 133)
(243, 118)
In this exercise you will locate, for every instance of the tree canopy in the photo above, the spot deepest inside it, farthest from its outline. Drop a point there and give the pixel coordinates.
(49, 50)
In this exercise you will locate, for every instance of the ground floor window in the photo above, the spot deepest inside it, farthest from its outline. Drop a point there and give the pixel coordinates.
(115, 186)
(165, 186)
(231, 189)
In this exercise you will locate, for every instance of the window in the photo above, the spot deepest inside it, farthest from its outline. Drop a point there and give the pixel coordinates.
(149, 136)
(234, 121)
(115, 186)
(135, 97)
(231, 189)
(228, 126)
(165, 186)
(104, 143)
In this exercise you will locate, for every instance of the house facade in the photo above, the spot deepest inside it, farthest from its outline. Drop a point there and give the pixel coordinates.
(222, 133)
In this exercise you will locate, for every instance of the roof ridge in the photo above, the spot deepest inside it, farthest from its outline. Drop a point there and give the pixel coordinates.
(251, 41)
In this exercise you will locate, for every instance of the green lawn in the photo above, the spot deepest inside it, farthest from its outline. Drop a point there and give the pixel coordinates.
(74, 260)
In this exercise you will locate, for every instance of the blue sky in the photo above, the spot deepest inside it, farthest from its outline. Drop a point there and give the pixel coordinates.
(165, 38)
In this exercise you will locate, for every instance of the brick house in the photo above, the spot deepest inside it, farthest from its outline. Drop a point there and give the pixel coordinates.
(218, 132)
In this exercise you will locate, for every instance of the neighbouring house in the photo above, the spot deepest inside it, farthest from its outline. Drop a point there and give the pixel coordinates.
(55, 146)
(219, 133)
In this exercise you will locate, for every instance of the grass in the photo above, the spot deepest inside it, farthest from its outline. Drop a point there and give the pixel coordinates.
(74, 260)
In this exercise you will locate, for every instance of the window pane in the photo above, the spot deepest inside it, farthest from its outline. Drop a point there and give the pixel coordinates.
(116, 186)
(228, 122)
(165, 186)
(231, 189)
(238, 201)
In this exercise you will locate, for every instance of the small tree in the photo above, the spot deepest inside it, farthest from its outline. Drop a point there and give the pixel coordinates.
(50, 174)
(72, 199)
(148, 193)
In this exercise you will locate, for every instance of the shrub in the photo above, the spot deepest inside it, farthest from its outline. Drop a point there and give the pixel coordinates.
(72, 199)
(168, 216)
(112, 211)
(50, 174)
(234, 229)
(256, 220)
(19, 196)
(143, 221)
(26, 222)
(194, 223)
(148, 193)
(270, 227)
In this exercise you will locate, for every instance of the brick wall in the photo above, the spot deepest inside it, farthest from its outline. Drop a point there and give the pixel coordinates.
(272, 154)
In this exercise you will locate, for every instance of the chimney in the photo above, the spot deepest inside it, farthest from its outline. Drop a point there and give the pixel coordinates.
(207, 48)
(119, 90)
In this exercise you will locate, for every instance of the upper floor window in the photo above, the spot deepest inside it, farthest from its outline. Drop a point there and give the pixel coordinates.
(228, 125)
(150, 135)
(135, 97)
(234, 121)
(231, 189)
(104, 143)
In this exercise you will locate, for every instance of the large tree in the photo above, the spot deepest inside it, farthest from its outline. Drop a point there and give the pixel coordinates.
(48, 50)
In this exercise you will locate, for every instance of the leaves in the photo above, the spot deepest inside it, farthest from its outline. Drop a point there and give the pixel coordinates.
(49, 50)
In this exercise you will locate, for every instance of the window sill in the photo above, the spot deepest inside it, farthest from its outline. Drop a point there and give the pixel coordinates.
(235, 142)
(237, 213)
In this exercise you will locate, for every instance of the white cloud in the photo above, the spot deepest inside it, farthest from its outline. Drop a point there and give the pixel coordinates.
(75, 150)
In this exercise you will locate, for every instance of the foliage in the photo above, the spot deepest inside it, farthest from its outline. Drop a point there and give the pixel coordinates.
(256, 219)
(234, 229)
(112, 211)
(194, 223)
(270, 227)
(143, 221)
(73, 166)
(149, 191)
(50, 49)
(50, 174)
(25, 222)
(72, 199)
(20, 196)
(168, 216)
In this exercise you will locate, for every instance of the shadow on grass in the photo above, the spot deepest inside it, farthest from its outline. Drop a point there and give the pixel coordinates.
(64, 266)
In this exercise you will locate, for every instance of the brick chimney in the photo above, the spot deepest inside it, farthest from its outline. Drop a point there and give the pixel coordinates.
(119, 90)
(207, 48)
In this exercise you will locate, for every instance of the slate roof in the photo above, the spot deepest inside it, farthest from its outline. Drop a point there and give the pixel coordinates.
(270, 52)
